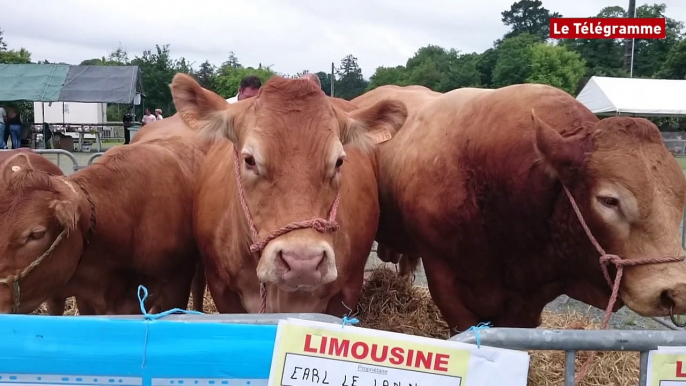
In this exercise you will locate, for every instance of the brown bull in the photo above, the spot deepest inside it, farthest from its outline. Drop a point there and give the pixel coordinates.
(100, 232)
(474, 183)
(413, 97)
(299, 211)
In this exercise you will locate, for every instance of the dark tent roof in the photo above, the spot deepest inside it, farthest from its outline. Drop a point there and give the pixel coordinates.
(65, 83)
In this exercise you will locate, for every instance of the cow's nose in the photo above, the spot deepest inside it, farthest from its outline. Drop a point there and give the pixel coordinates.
(674, 296)
(301, 266)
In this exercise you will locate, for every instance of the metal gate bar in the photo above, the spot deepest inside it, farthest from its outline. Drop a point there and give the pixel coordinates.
(571, 341)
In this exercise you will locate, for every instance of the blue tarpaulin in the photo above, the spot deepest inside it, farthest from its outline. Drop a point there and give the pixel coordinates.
(81, 350)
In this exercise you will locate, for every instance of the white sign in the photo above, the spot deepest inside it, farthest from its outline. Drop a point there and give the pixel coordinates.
(310, 353)
(667, 367)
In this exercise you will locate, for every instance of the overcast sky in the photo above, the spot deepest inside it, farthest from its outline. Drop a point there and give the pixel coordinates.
(291, 35)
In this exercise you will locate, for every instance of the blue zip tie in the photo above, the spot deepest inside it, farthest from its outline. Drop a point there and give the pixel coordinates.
(480, 326)
(351, 321)
(149, 317)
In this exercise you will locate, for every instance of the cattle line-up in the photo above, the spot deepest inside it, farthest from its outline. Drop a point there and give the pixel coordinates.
(511, 197)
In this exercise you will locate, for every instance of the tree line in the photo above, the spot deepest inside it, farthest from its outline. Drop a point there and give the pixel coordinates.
(525, 54)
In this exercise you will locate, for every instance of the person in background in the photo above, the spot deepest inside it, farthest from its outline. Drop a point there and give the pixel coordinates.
(14, 123)
(148, 117)
(248, 88)
(158, 114)
(3, 128)
(128, 122)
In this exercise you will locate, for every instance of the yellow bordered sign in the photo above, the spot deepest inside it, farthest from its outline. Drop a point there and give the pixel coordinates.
(310, 353)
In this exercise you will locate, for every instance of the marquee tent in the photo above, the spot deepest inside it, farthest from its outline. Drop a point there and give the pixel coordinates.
(634, 96)
(65, 83)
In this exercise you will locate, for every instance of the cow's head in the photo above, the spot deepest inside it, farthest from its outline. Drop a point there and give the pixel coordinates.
(631, 191)
(35, 208)
(290, 140)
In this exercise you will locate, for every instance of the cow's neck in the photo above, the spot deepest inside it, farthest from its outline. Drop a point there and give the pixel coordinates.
(114, 196)
(571, 247)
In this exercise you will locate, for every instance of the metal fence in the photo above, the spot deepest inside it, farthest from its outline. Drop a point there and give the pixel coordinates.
(572, 341)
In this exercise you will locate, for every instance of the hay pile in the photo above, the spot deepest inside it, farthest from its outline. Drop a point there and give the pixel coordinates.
(393, 303)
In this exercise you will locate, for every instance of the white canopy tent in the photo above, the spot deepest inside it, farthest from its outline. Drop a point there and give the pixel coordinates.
(633, 96)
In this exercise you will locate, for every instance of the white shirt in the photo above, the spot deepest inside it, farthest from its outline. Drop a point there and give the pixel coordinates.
(159, 117)
(3, 114)
(149, 119)
(233, 99)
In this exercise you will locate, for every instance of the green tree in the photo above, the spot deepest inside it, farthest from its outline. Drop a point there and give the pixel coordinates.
(158, 69)
(650, 54)
(206, 75)
(556, 66)
(231, 62)
(528, 16)
(513, 65)
(350, 82)
(485, 64)
(325, 80)
(675, 65)
(463, 72)
(20, 56)
(388, 75)
(229, 78)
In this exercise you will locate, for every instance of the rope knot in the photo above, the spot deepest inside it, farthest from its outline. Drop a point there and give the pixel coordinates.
(323, 226)
(255, 247)
(609, 258)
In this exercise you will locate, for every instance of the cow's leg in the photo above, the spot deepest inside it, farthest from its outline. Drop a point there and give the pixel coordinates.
(198, 287)
(226, 300)
(55, 306)
(84, 307)
(445, 293)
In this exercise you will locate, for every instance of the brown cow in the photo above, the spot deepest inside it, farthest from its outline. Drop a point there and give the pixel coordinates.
(472, 183)
(166, 128)
(413, 97)
(297, 153)
(100, 232)
(55, 306)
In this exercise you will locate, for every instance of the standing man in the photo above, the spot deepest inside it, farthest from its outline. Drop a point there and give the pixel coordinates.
(158, 114)
(128, 122)
(248, 88)
(3, 129)
(148, 117)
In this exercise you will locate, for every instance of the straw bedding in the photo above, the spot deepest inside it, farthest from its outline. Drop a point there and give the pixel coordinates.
(393, 303)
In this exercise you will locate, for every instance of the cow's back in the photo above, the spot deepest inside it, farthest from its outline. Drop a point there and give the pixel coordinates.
(412, 96)
(469, 140)
(171, 126)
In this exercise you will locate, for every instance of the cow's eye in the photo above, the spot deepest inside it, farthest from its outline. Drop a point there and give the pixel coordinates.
(339, 163)
(250, 161)
(610, 202)
(37, 234)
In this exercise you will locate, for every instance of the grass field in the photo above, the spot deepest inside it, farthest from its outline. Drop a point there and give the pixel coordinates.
(682, 162)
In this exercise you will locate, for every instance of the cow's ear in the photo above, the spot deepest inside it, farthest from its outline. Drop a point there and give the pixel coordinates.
(562, 156)
(66, 212)
(15, 164)
(205, 111)
(375, 124)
